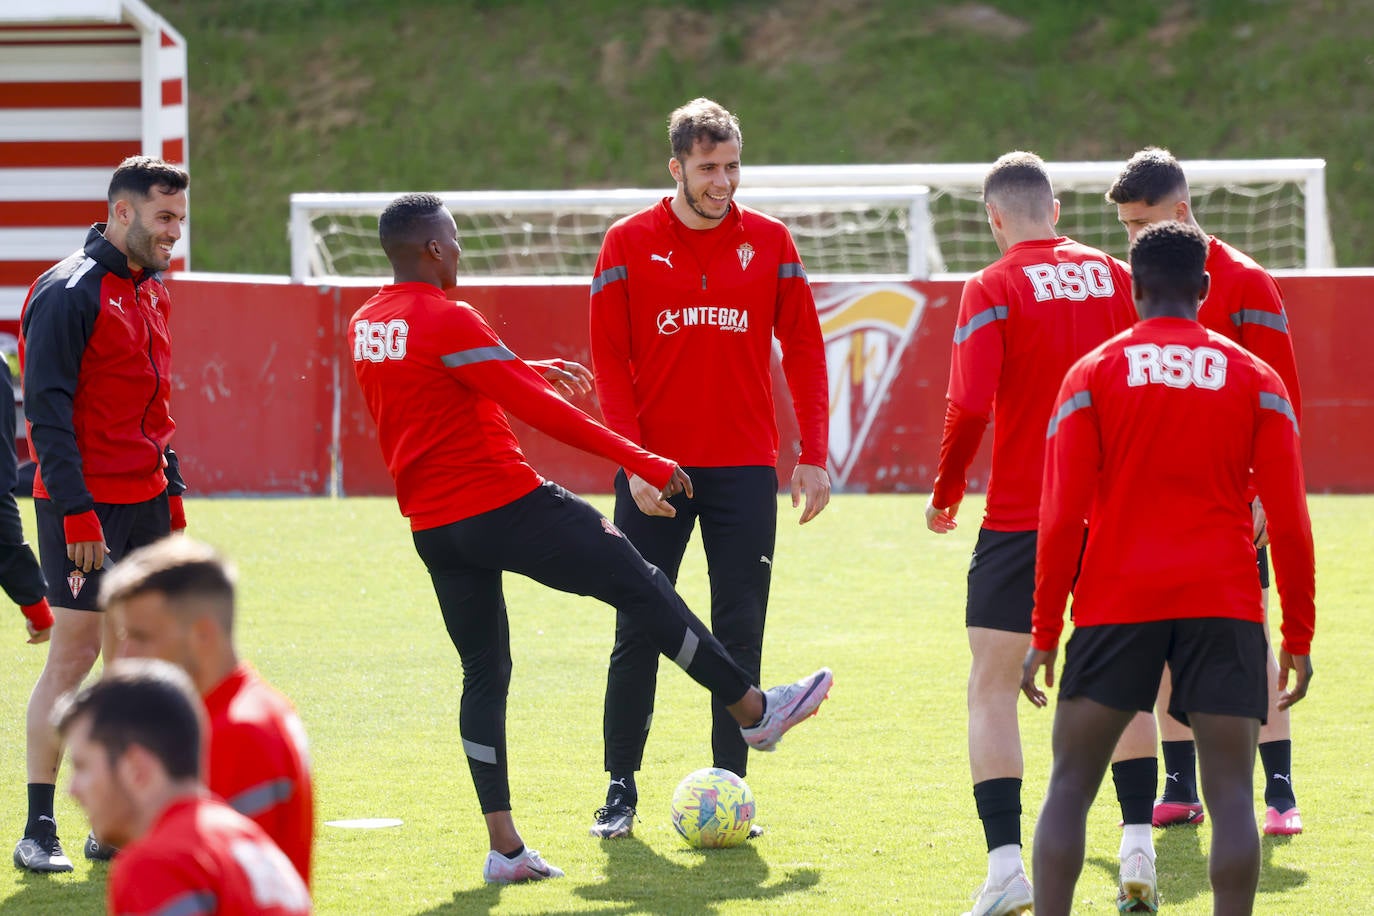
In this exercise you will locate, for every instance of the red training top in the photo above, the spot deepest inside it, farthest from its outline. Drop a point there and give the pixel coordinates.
(259, 761)
(436, 379)
(1244, 304)
(1022, 322)
(202, 858)
(682, 328)
(1152, 442)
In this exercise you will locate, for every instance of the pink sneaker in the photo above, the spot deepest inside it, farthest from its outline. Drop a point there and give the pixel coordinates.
(1289, 823)
(525, 867)
(1177, 814)
(786, 706)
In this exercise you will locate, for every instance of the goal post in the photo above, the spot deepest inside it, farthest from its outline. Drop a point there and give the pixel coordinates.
(869, 230)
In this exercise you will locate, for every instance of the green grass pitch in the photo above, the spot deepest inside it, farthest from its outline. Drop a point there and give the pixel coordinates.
(867, 807)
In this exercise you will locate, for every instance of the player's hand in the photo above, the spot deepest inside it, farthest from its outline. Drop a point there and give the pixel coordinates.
(37, 636)
(941, 521)
(1035, 660)
(1301, 666)
(87, 555)
(568, 378)
(815, 483)
(653, 501)
(1261, 523)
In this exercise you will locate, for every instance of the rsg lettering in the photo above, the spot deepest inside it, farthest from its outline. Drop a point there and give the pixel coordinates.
(376, 340)
(1068, 280)
(1176, 366)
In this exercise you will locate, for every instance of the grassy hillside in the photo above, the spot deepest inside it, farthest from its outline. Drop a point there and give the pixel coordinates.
(353, 95)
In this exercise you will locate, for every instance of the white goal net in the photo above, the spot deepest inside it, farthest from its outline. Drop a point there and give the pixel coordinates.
(905, 220)
(842, 230)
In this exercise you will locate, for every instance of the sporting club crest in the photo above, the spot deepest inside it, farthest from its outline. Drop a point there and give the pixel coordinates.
(866, 328)
(746, 254)
(76, 580)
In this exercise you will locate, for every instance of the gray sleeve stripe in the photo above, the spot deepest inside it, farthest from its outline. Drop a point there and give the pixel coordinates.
(607, 277)
(1275, 320)
(985, 317)
(1079, 400)
(191, 903)
(688, 651)
(497, 353)
(1270, 401)
(482, 753)
(792, 269)
(262, 797)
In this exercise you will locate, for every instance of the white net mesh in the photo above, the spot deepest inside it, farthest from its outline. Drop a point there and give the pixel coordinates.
(1267, 221)
(904, 220)
(880, 231)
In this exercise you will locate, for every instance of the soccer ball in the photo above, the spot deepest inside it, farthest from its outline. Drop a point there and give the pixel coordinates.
(712, 808)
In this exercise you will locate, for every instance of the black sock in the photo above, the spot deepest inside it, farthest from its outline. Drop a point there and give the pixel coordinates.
(622, 790)
(999, 808)
(40, 805)
(1278, 774)
(1135, 788)
(520, 850)
(1180, 771)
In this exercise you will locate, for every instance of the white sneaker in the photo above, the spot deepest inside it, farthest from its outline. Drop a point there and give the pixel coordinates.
(784, 707)
(1137, 893)
(1012, 897)
(527, 866)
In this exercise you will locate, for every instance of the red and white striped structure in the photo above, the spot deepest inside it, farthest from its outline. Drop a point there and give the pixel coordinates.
(83, 83)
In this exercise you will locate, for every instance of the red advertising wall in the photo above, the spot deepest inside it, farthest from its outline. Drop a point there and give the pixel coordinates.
(265, 400)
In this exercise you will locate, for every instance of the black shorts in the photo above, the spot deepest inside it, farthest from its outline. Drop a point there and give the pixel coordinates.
(1217, 665)
(1262, 560)
(1001, 581)
(126, 527)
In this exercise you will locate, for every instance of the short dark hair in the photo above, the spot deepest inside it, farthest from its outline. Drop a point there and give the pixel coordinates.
(701, 119)
(406, 222)
(1150, 176)
(145, 702)
(141, 174)
(1019, 183)
(189, 573)
(1168, 259)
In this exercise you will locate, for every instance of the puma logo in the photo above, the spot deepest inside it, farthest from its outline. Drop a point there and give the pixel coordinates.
(665, 258)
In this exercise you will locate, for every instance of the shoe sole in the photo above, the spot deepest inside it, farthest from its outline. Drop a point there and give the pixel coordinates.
(1136, 898)
(613, 834)
(1191, 819)
(45, 870)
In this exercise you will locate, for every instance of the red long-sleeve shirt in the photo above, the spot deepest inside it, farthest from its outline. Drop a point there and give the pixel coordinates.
(202, 858)
(1022, 322)
(1152, 441)
(682, 328)
(437, 381)
(1245, 305)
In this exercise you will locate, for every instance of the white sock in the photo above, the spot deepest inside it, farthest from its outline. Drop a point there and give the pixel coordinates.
(1003, 862)
(1137, 837)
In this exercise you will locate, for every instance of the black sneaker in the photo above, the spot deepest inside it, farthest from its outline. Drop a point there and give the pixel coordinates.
(97, 851)
(755, 831)
(614, 821)
(42, 853)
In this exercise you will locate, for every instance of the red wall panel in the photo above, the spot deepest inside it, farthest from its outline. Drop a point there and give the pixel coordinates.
(261, 366)
(253, 385)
